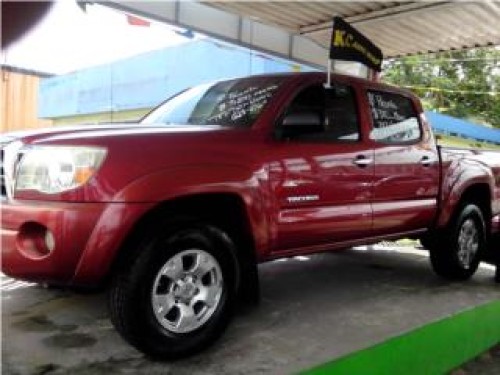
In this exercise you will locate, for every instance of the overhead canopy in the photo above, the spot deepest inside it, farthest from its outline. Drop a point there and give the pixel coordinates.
(300, 30)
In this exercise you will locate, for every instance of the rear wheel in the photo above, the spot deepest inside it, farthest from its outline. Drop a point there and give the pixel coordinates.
(493, 254)
(456, 253)
(176, 296)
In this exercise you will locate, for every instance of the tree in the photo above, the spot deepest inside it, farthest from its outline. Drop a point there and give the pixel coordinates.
(463, 84)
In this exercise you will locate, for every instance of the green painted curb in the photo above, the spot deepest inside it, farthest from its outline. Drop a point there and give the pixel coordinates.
(436, 348)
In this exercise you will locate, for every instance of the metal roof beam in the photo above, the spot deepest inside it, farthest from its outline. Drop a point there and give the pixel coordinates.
(300, 30)
(228, 27)
(377, 15)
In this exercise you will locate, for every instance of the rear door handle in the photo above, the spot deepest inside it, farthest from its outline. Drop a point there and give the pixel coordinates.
(426, 161)
(362, 161)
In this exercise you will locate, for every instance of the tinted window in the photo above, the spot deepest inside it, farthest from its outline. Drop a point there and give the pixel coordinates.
(336, 108)
(235, 103)
(394, 118)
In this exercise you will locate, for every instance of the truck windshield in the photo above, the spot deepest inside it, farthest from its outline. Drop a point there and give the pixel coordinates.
(235, 103)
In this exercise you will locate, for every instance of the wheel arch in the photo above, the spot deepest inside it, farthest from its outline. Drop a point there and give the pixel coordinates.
(478, 193)
(225, 211)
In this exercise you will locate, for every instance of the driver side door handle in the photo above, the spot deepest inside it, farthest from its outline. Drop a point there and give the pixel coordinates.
(362, 161)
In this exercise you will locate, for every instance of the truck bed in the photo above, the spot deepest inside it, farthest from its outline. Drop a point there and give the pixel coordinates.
(489, 159)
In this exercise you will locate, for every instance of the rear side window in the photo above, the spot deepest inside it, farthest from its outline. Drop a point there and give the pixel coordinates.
(394, 118)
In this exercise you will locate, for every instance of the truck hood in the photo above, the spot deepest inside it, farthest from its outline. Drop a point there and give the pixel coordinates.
(29, 136)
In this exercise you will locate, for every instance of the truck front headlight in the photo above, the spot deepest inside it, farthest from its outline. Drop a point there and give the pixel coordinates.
(54, 169)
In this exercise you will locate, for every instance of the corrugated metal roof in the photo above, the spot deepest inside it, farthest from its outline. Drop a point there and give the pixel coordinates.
(398, 28)
(300, 30)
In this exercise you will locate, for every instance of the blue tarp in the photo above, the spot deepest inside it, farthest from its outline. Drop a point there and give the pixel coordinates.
(454, 126)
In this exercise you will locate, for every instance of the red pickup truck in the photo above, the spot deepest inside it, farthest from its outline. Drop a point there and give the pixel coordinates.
(174, 213)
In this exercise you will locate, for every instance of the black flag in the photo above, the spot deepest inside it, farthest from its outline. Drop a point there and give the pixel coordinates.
(349, 44)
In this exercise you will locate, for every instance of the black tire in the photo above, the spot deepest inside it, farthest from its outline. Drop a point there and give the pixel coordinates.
(493, 254)
(130, 297)
(428, 241)
(445, 251)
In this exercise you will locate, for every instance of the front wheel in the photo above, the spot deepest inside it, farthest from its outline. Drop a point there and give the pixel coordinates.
(456, 254)
(176, 297)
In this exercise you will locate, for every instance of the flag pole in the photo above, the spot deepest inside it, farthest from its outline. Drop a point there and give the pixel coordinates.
(329, 65)
(328, 74)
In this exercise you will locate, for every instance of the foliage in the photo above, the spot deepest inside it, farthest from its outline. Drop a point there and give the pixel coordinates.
(463, 84)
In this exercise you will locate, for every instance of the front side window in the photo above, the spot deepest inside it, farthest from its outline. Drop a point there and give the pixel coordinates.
(235, 103)
(394, 118)
(322, 115)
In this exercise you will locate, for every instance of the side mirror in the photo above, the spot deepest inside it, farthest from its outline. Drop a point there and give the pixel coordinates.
(296, 124)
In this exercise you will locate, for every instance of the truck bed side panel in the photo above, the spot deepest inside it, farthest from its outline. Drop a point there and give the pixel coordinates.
(461, 169)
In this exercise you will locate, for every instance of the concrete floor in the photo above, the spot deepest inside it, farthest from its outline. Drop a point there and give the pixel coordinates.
(314, 309)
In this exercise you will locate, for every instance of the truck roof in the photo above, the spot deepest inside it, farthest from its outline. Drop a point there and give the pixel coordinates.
(343, 77)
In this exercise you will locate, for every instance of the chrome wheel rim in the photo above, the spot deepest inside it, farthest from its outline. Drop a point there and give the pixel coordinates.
(468, 243)
(187, 291)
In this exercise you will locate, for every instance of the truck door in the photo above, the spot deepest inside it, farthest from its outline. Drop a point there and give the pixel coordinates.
(406, 176)
(322, 173)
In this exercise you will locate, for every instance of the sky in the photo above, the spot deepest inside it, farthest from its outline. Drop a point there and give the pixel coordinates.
(69, 39)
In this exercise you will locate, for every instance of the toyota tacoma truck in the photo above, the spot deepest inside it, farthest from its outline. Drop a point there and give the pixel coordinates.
(174, 213)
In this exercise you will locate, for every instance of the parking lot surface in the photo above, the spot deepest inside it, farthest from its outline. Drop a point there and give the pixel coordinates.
(313, 309)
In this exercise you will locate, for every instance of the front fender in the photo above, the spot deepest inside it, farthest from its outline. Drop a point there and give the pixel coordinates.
(185, 181)
(147, 192)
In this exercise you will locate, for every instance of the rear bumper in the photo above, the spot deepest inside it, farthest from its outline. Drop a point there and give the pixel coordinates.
(86, 237)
